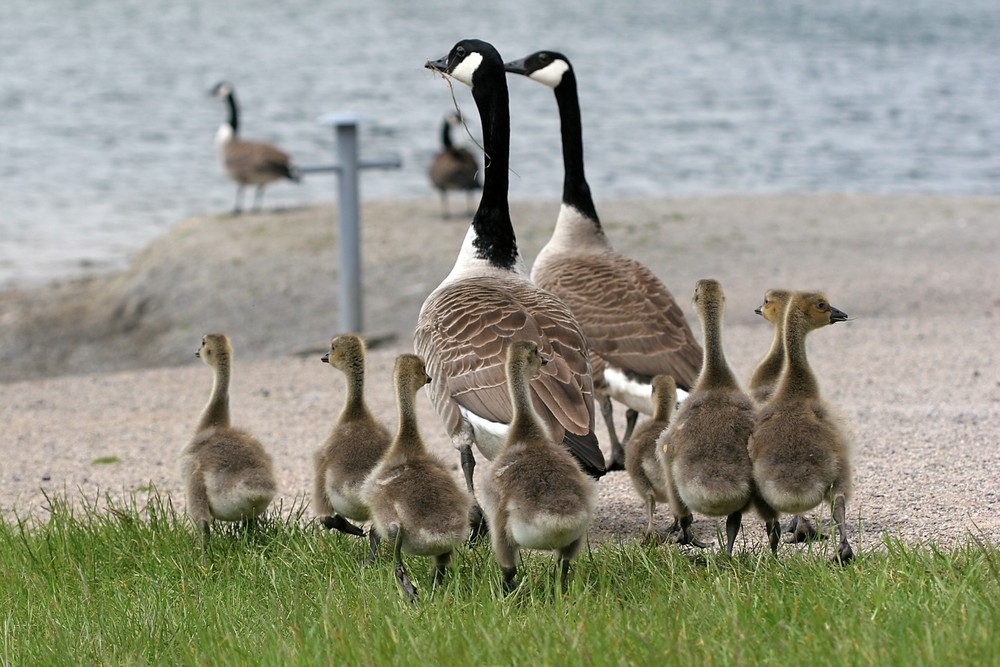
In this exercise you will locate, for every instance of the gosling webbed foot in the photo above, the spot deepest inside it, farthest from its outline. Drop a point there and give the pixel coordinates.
(478, 524)
(685, 536)
(510, 580)
(617, 457)
(373, 542)
(802, 529)
(406, 584)
(339, 523)
(844, 555)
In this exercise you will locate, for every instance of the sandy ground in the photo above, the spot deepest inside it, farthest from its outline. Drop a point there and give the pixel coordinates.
(105, 367)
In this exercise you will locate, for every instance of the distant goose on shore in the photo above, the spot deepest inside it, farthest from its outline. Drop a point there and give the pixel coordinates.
(227, 474)
(765, 378)
(488, 302)
(248, 162)
(535, 496)
(454, 167)
(416, 504)
(356, 443)
(801, 455)
(707, 464)
(634, 327)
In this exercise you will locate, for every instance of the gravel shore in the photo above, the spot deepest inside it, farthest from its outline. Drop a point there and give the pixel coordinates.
(103, 369)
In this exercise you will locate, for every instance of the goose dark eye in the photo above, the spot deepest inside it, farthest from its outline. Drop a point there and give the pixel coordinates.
(460, 51)
(821, 305)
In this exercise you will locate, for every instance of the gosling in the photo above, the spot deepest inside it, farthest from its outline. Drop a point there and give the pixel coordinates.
(765, 378)
(415, 502)
(535, 496)
(227, 474)
(708, 468)
(800, 453)
(645, 466)
(355, 445)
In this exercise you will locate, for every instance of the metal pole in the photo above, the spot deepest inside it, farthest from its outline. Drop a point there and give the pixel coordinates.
(350, 227)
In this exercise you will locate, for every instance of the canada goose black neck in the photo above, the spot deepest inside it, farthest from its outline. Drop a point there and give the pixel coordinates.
(446, 134)
(494, 234)
(234, 114)
(576, 191)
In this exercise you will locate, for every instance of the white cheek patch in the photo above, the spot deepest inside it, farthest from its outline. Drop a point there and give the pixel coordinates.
(465, 69)
(551, 75)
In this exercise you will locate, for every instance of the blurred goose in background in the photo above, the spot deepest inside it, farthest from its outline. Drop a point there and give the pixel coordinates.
(634, 327)
(454, 167)
(248, 162)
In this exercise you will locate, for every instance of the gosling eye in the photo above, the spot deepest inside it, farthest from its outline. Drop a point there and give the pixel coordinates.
(822, 305)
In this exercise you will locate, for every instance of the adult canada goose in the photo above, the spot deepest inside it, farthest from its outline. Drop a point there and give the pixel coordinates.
(355, 445)
(488, 301)
(248, 162)
(227, 474)
(643, 459)
(535, 496)
(800, 453)
(707, 464)
(634, 327)
(454, 167)
(764, 379)
(415, 502)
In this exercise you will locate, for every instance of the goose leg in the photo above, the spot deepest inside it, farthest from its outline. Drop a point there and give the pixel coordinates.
(733, 522)
(651, 534)
(238, 205)
(373, 543)
(476, 519)
(617, 450)
(339, 523)
(801, 529)
(844, 552)
(258, 198)
(631, 417)
(395, 534)
(686, 536)
(440, 568)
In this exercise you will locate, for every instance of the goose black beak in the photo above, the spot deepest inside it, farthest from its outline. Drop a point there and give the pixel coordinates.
(325, 358)
(198, 353)
(516, 67)
(439, 65)
(837, 315)
(757, 310)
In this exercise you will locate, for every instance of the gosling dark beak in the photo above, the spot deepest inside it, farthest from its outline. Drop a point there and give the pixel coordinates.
(757, 310)
(198, 353)
(516, 67)
(544, 361)
(837, 315)
(439, 65)
(325, 358)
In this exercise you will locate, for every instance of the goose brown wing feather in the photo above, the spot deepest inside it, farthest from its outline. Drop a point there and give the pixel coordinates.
(463, 332)
(630, 318)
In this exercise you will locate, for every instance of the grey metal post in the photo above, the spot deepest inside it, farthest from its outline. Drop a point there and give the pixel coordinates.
(347, 169)
(350, 225)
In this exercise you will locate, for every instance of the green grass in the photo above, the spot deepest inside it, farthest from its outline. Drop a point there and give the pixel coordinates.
(127, 584)
(105, 460)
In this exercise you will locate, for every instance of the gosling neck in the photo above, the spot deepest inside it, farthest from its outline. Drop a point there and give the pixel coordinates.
(525, 426)
(408, 441)
(354, 404)
(797, 379)
(715, 372)
(769, 368)
(216, 412)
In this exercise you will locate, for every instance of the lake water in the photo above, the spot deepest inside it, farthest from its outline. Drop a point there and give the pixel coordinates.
(106, 127)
